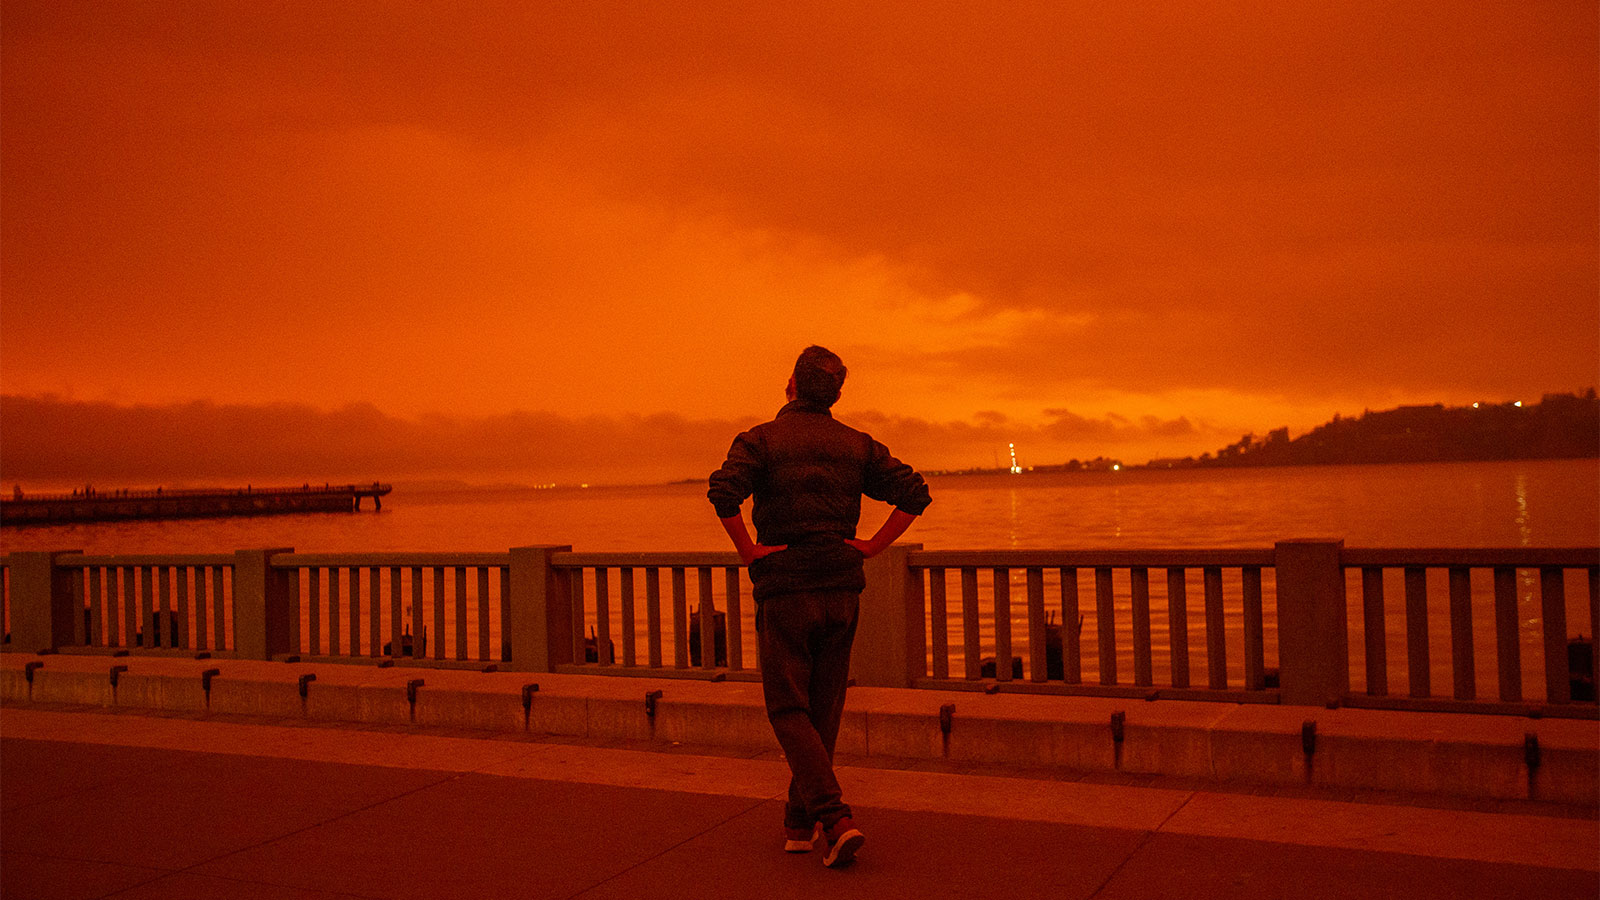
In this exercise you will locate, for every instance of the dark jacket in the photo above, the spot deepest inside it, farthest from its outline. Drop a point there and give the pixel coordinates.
(808, 473)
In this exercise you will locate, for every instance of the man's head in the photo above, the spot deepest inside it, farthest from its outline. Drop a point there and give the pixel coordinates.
(818, 375)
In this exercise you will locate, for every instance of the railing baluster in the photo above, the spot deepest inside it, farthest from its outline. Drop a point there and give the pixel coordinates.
(1417, 631)
(970, 645)
(219, 608)
(708, 620)
(1002, 623)
(1553, 603)
(1508, 643)
(147, 613)
(163, 607)
(1038, 632)
(181, 630)
(374, 611)
(97, 607)
(1594, 610)
(505, 614)
(483, 614)
(1461, 653)
(1139, 583)
(1254, 651)
(1216, 630)
(1104, 601)
(461, 613)
(680, 619)
(1071, 647)
(202, 635)
(80, 629)
(438, 615)
(735, 618)
(128, 599)
(1178, 624)
(652, 615)
(352, 575)
(335, 611)
(397, 613)
(1374, 631)
(418, 623)
(629, 624)
(938, 618)
(580, 617)
(602, 616)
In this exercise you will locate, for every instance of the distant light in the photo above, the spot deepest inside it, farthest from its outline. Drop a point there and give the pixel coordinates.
(1517, 404)
(1117, 467)
(1474, 406)
(585, 484)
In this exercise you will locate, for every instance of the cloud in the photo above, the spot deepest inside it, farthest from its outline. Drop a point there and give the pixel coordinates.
(57, 441)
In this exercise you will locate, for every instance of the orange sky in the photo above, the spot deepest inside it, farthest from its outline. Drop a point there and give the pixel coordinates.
(1130, 229)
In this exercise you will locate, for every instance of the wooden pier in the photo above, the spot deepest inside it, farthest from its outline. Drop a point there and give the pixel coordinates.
(90, 505)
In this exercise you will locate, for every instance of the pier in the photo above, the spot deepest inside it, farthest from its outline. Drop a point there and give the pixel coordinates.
(90, 505)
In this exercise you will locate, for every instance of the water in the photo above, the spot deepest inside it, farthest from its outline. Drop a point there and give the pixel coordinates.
(1539, 503)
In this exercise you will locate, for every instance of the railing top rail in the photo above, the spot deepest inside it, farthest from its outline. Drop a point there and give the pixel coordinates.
(402, 559)
(1524, 557)
(666, 559)
(145, 559)
(1017, 559)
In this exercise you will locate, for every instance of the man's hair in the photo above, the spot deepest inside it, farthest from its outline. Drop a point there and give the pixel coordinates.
(818, 375)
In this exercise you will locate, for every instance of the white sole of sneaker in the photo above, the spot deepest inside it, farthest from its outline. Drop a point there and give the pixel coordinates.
(792, 846)
(844, 849)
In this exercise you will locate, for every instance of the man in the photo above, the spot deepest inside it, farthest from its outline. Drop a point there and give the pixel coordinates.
(808, 473)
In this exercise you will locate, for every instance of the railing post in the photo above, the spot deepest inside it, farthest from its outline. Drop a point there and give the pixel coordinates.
(890, 648)
(1313, 637)
(264, 616)
(43, 616)
(540, 627)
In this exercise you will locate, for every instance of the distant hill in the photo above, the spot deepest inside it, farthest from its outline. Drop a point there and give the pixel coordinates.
(1559, 426)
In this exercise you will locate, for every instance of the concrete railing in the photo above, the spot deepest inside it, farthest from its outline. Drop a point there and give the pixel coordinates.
(1271, 625)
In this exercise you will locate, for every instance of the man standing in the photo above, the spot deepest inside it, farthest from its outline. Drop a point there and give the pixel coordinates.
(808, 473)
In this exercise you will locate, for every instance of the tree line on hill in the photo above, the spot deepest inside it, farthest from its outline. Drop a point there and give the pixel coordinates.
(1559, 426)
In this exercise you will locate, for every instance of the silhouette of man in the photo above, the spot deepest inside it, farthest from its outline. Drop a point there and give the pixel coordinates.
(808, 473)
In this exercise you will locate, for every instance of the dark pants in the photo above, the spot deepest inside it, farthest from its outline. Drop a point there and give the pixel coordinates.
(805, 667)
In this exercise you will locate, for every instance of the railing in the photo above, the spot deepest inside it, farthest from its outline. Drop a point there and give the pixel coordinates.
(1267, 625)
(1474, 591)
(1053, 653)
(418, 606)
(664, 631)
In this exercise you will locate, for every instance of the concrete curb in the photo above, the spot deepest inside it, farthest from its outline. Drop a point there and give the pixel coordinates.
(1451, 754)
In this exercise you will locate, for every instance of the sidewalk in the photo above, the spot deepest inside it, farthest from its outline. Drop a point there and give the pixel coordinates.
(103, 803)
(1475, 757)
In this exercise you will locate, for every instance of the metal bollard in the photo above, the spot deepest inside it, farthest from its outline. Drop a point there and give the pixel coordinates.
(115, 671)
(305, 681)
(650, 699)
(1118, 720)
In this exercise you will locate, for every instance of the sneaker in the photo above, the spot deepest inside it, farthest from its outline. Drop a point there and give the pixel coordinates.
(800, 840)
(844, 839)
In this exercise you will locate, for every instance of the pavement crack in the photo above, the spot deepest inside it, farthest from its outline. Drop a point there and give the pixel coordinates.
(289, 834)
(1148, 836)
(665, 850)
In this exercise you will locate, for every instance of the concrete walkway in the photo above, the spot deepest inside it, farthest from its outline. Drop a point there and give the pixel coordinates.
(108, 803)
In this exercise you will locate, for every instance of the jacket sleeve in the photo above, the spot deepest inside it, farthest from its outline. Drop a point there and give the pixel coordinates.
(736, 480)
(893, 482)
